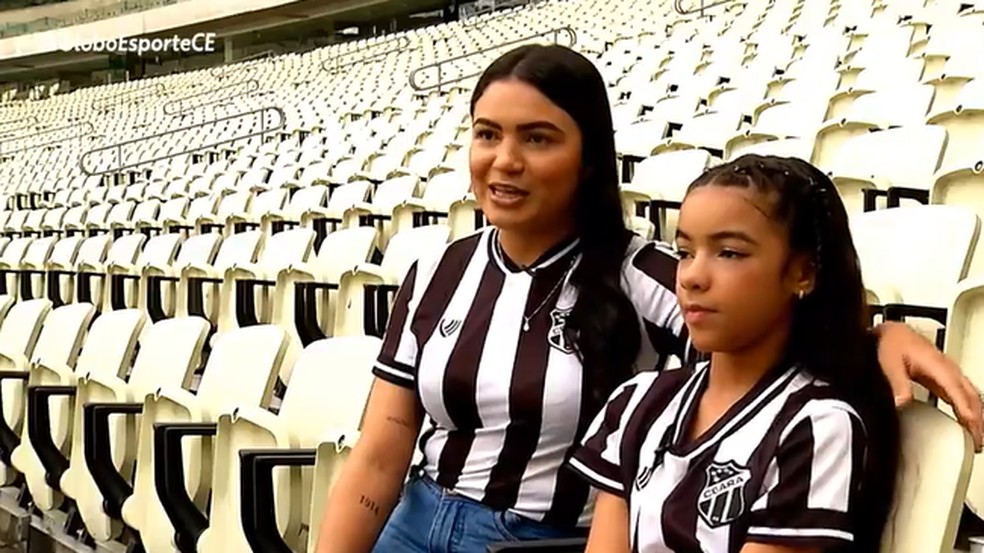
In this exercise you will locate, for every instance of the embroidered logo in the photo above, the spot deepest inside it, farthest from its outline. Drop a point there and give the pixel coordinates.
(722, 500)
(449, 326)
(556, 336)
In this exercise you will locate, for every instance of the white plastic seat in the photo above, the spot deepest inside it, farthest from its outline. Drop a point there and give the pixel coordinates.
(34, 275)
(915, 256)
(897, 163)
(304, 199)
(46, 438)
(241, 371)
(382, 280)
(246, 296)
(93, 276)
(159, 279)
(199, 287)
(934, 474)
(32, 335)
(333, 372)
(170, 351)
(307, 294)
(659, 184)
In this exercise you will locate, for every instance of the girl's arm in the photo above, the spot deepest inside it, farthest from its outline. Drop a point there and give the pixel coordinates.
(610, 526)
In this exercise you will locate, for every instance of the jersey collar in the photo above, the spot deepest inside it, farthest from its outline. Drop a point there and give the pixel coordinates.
(558, 252)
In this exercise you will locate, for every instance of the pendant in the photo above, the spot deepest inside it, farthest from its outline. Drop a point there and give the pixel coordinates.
(526, 324)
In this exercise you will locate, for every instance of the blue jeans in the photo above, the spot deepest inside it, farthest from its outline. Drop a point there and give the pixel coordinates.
(430, 519)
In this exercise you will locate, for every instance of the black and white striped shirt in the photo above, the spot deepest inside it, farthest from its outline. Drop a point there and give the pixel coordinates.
(506, 405)
(782, 466)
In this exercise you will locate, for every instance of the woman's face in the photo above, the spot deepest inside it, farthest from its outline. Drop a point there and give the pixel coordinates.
(737, 278)
(525, 159)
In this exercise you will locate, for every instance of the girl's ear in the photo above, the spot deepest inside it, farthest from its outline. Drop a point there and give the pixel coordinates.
(802, 275)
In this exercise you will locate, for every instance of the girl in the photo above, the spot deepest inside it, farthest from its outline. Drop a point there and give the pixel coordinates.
(787, 439)
(510, 341)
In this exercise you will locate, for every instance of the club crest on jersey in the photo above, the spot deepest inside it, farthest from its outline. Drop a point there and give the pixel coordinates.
(556, 336)
(722, 499)
(449, 326)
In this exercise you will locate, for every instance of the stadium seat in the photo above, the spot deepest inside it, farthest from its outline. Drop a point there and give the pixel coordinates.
(46, 438)
(241, 371)
(32, 335)
(170, 350)
(331, 366)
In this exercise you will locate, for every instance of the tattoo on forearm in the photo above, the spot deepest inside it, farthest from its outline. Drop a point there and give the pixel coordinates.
(369, 504)
(400, 422)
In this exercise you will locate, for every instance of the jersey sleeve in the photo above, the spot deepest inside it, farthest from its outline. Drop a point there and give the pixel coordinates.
(598, 458)
(810, 489)
(650, 282)
(398, 355)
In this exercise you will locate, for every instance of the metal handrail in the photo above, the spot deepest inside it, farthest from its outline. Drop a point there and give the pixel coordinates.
(334, 65)
(237, 65)
(678, 6)
(132, 95)
(5, 152)
(32, 118)
(437, 65)
(254, 86)
(92, 171)
(475, 19)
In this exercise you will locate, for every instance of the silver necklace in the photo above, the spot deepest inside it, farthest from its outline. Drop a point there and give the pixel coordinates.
(563, 278)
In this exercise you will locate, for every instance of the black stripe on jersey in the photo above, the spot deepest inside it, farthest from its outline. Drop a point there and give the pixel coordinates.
(526, 392)
(591, 454)
(795, 475)
(394, 330)
(436, 297)
(461, 377)
(658, 264)
(661, 266)
(650, 407)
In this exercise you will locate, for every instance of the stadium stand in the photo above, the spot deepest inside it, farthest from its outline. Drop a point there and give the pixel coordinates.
(216, 250)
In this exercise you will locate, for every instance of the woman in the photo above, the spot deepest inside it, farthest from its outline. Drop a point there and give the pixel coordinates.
(786, 440)
(488, 343)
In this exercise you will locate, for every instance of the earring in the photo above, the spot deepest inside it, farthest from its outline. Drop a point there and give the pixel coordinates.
(801, 293)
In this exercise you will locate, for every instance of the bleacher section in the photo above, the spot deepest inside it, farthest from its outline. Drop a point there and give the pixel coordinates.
(216, 250)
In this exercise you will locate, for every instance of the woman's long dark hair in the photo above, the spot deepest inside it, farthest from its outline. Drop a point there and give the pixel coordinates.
(829, 331)
(603, 324)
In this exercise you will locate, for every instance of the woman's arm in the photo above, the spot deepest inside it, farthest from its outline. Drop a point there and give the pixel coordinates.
(906, 356)
(610, 526)
(370, 484)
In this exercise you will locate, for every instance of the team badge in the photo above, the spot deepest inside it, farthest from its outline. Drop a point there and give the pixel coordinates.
(722, 500)
(556, 336)
(449, 326)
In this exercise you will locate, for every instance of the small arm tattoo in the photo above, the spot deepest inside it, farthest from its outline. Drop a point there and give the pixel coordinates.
(369, 504)
(399, 421)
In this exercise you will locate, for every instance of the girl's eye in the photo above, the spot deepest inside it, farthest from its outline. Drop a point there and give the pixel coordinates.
(682, 254)
(537, 139)
(484, 134)
(731, 254)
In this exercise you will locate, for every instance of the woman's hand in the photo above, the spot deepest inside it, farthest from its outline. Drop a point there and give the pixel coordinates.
(906, 356)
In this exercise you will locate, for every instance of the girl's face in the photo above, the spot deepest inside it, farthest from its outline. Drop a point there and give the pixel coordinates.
(737, 279)
(525, 159)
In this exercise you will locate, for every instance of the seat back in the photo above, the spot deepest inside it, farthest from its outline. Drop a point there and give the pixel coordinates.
(937, 457)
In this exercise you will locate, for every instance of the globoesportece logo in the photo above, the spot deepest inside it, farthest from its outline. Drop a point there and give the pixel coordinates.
(197, 43)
